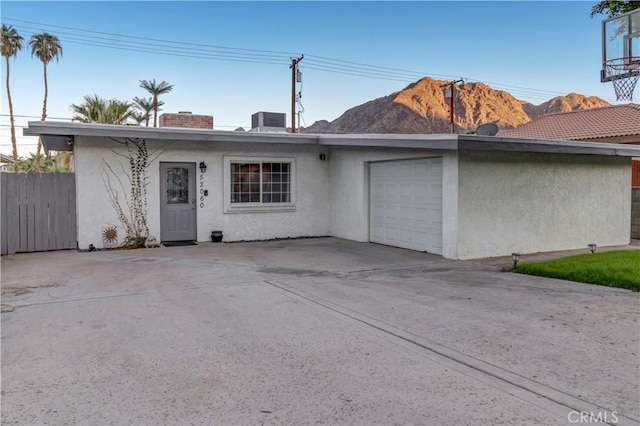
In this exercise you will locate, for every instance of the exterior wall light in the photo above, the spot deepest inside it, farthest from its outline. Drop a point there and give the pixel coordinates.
(515, 257)
(593, 247)
(203, 167)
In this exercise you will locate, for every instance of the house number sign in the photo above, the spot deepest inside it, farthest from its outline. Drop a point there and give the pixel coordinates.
(202, 190)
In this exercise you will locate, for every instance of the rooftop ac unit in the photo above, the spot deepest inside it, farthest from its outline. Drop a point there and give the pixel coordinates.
(268, 122)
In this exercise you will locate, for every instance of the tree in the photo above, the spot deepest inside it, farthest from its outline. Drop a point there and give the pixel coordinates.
(45, 47)
(145, 105)
(613, 8)
(98, 110)
(156, 89)
(60, 163)
(11, 45)
(139, 118)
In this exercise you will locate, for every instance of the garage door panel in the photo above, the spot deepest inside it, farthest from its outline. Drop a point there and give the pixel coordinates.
(405, 236)
(390, 235)
(405, 193)
(421, 239)
(377, 192)
(422, 192)
(409, 213)
(377, 213)
(435, 190)
(391, 213)
(391, 170)
(390, 192)
(421, 168)
(405, 214)
(405, 171)
(377, 232)
(422, 216)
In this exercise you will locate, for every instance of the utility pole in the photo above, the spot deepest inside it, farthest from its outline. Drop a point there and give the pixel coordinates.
(294, 72)
(448, 93)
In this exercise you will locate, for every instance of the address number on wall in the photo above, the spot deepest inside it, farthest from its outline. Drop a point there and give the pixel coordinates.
(201, 190)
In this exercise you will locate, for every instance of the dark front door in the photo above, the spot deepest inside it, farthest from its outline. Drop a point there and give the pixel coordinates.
(177, 201)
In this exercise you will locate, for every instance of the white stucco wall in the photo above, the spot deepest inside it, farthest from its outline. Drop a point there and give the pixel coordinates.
(349, 191)
(310, 217)
(494, 203)
(529, 202)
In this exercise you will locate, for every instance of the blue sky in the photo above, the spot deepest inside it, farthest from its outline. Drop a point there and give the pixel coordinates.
(535, 50)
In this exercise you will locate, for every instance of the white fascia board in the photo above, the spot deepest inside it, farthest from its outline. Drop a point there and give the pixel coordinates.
(41, 128)
(425, 141)
(442, 142)
(494, 143)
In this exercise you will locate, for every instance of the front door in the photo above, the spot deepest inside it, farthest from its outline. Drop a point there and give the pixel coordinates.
(177, 201)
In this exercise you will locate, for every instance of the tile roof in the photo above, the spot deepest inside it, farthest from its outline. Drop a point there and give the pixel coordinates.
(6, 159)
(597, 123)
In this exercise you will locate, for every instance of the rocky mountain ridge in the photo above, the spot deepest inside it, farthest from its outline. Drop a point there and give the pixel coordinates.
(421, 108)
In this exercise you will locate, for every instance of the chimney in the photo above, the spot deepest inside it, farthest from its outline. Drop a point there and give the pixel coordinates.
(186, 119)
(268, 122)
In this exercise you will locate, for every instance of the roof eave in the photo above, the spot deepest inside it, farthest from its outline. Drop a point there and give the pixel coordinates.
(496, 143)
(40, 128)
(60, 137)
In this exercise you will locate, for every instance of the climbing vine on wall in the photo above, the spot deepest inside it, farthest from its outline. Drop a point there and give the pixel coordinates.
(130, 201)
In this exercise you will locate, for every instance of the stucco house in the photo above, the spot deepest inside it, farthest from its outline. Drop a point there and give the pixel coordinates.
(612, 124)
(5, 160)
(460, 196)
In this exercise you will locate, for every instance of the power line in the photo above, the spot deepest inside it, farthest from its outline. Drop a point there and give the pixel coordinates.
(414, 74)
(33, 116)
(151, 39)
(163, 49)
(234, 54)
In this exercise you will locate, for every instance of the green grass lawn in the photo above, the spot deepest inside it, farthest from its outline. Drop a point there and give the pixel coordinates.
(614, 269)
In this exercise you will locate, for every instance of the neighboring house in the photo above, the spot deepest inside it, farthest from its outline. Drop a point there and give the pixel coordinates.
(613, 124)
(5, 161)
(460, 196)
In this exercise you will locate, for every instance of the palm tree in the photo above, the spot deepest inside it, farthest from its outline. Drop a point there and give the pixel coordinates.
(11, 45)
(91, 111)
(64, 160)
(57, 164)
(139, 118)
(145, 105)
(156, 89)
(118, 112)
(98, 110)
(45, 47)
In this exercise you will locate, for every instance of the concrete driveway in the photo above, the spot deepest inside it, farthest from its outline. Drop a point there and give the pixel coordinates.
(309, 331)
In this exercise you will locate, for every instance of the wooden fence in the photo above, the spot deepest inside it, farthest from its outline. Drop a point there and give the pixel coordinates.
(38, 212)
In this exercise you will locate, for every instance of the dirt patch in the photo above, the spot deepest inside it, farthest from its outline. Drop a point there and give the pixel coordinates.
(6, 308)
(19, 291)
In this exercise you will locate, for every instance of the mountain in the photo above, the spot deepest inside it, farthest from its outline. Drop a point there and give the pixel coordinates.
(571, 102)
(421, 108)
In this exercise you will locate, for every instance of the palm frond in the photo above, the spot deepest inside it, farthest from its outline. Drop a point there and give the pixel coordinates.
(11, 41)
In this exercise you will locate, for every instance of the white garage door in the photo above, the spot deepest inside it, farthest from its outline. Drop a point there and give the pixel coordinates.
(406, 204)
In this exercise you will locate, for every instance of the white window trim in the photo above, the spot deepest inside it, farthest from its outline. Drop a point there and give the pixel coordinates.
(230, 207)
